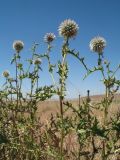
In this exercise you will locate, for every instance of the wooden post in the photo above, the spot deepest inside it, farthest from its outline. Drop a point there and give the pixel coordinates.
(79, 100)
(88, 96)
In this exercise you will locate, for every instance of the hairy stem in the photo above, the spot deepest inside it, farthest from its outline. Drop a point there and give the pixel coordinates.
(17, 81)
(61, 98)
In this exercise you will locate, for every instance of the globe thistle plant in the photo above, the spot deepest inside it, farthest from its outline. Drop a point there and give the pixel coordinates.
(18, 45)
(6, 74)
(68, 29)
(49, 37)
(97, 44)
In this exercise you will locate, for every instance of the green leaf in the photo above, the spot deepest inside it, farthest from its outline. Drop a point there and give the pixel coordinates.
(81, 131)
(3, 139)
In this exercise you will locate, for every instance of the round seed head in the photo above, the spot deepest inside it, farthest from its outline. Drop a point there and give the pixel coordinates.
(6, 74)
(37, 61)
(18, 45)
(49, 37)
(68, 28)
(97, 44)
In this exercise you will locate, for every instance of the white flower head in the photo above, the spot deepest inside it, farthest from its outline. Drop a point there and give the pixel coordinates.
(68, 28)
(6, 74)
(49, 37)
(97, 44)
(37, 61)
(18, 45)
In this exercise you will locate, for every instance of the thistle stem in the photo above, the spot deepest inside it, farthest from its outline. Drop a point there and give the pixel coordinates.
(62, 131)
(48, 58)
(61, 98)
(105, 121)
(17, 80)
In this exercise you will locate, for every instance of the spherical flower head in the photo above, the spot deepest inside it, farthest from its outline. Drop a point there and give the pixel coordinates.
(49, 37)
(68, 29)
(37, 61)
(18, 45)
(6, 74)
(106, 62)
(97, 44)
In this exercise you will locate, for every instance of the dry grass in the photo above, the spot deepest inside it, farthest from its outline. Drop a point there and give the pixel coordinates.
(46, 108)
(52, 106)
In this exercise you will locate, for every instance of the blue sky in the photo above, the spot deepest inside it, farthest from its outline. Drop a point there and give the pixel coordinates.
(29, 20)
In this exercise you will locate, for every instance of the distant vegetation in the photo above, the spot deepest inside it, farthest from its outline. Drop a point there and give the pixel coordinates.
(74, 131)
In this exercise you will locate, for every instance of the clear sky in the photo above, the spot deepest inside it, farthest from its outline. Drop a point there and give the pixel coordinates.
(29, 20)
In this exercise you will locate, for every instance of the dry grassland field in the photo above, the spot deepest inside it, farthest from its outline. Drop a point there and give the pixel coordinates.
(51, 107)
(48, 107)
